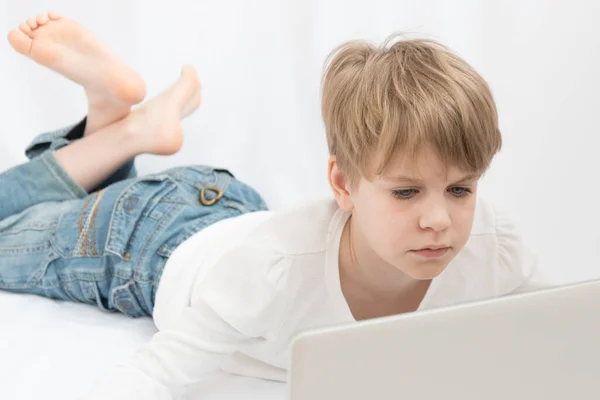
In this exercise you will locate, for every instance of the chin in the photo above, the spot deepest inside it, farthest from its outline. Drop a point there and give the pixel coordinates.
(425, 272)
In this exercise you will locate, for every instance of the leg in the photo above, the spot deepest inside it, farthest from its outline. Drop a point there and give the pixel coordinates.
(37, 181)
(64, 250)
(154, 128)
(52, 141)
(111, 86)
(69, 49)
(72, 171)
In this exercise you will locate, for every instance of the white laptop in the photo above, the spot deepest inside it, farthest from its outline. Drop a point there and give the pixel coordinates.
(542, 345)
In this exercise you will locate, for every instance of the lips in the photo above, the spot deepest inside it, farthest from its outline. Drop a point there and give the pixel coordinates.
(433, 247)
(432, 251)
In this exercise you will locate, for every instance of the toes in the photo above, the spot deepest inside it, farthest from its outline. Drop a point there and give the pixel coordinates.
(43, 19)
(25, 29)
(54, 16)
(20, 41)
(188, 71)
(32, 23)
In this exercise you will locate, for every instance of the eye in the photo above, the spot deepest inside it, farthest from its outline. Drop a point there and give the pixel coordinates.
(404, 194)
(460, 191)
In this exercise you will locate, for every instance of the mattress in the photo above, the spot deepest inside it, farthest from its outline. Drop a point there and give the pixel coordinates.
(55, 350)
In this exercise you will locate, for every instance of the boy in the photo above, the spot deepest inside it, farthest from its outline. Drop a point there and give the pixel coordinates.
(411, 128)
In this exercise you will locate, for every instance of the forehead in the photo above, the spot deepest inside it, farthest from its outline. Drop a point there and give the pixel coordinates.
(424, 165)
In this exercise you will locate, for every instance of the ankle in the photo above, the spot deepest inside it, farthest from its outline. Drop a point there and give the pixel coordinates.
(129, 130)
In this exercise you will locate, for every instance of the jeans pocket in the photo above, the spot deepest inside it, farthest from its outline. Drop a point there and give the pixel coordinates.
(82, 227)
(105, 222)
(139, 213)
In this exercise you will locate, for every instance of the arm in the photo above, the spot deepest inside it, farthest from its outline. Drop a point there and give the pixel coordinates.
(236, 305)
(517, 257)
(536, 280)
(176, 357)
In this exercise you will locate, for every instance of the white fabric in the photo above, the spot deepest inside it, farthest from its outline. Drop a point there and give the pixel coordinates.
(56, 351)
(235, 295)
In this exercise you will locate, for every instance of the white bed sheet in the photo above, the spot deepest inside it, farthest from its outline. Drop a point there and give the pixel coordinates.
(55, 350)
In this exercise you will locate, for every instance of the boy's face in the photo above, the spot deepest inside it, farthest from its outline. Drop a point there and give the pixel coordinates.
(415, 217)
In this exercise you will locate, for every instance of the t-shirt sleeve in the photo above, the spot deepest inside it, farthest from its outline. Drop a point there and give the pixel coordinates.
(241, 300)
(516, 257)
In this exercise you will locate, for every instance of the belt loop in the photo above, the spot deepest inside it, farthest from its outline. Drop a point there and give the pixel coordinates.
(222, 180)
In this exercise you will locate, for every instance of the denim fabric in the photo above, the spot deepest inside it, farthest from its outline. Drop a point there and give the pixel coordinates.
(107, 247)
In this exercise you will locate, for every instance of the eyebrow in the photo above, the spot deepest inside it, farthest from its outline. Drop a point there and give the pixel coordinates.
(402, 178)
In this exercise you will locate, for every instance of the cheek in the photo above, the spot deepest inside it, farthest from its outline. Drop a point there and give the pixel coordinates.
(375, 212)
(462, 221)
(388, 232)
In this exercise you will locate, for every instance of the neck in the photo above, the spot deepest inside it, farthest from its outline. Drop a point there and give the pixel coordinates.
(373, 288)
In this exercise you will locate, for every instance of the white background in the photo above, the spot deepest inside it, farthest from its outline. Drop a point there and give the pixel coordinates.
(260, 63)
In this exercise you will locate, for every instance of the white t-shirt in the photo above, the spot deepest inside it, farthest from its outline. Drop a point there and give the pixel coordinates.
(234, 295)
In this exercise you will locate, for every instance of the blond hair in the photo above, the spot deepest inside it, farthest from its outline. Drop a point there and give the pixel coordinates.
(397, 97)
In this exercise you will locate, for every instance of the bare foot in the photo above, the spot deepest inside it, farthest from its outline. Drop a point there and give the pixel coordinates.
(68, 48)
(157, 123)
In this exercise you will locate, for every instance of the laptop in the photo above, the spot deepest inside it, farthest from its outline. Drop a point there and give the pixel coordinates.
(540, 345)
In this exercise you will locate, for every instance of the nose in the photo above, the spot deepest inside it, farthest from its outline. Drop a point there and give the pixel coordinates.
(435, 216)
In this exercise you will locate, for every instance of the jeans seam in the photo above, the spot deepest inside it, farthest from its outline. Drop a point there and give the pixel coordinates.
(83, 242)
(24, 249)
(72, 277)
(52, 165)
(167, 216)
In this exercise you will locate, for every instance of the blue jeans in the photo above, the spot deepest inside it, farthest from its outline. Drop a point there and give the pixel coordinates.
(107, 247)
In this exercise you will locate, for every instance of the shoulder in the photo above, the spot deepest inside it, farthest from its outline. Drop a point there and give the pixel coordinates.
(496, 255)
(254, 283)
(298, 231)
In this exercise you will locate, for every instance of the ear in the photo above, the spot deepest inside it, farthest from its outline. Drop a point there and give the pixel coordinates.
(337, 181)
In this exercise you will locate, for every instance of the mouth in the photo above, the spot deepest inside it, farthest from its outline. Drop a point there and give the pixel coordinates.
(434, 251)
